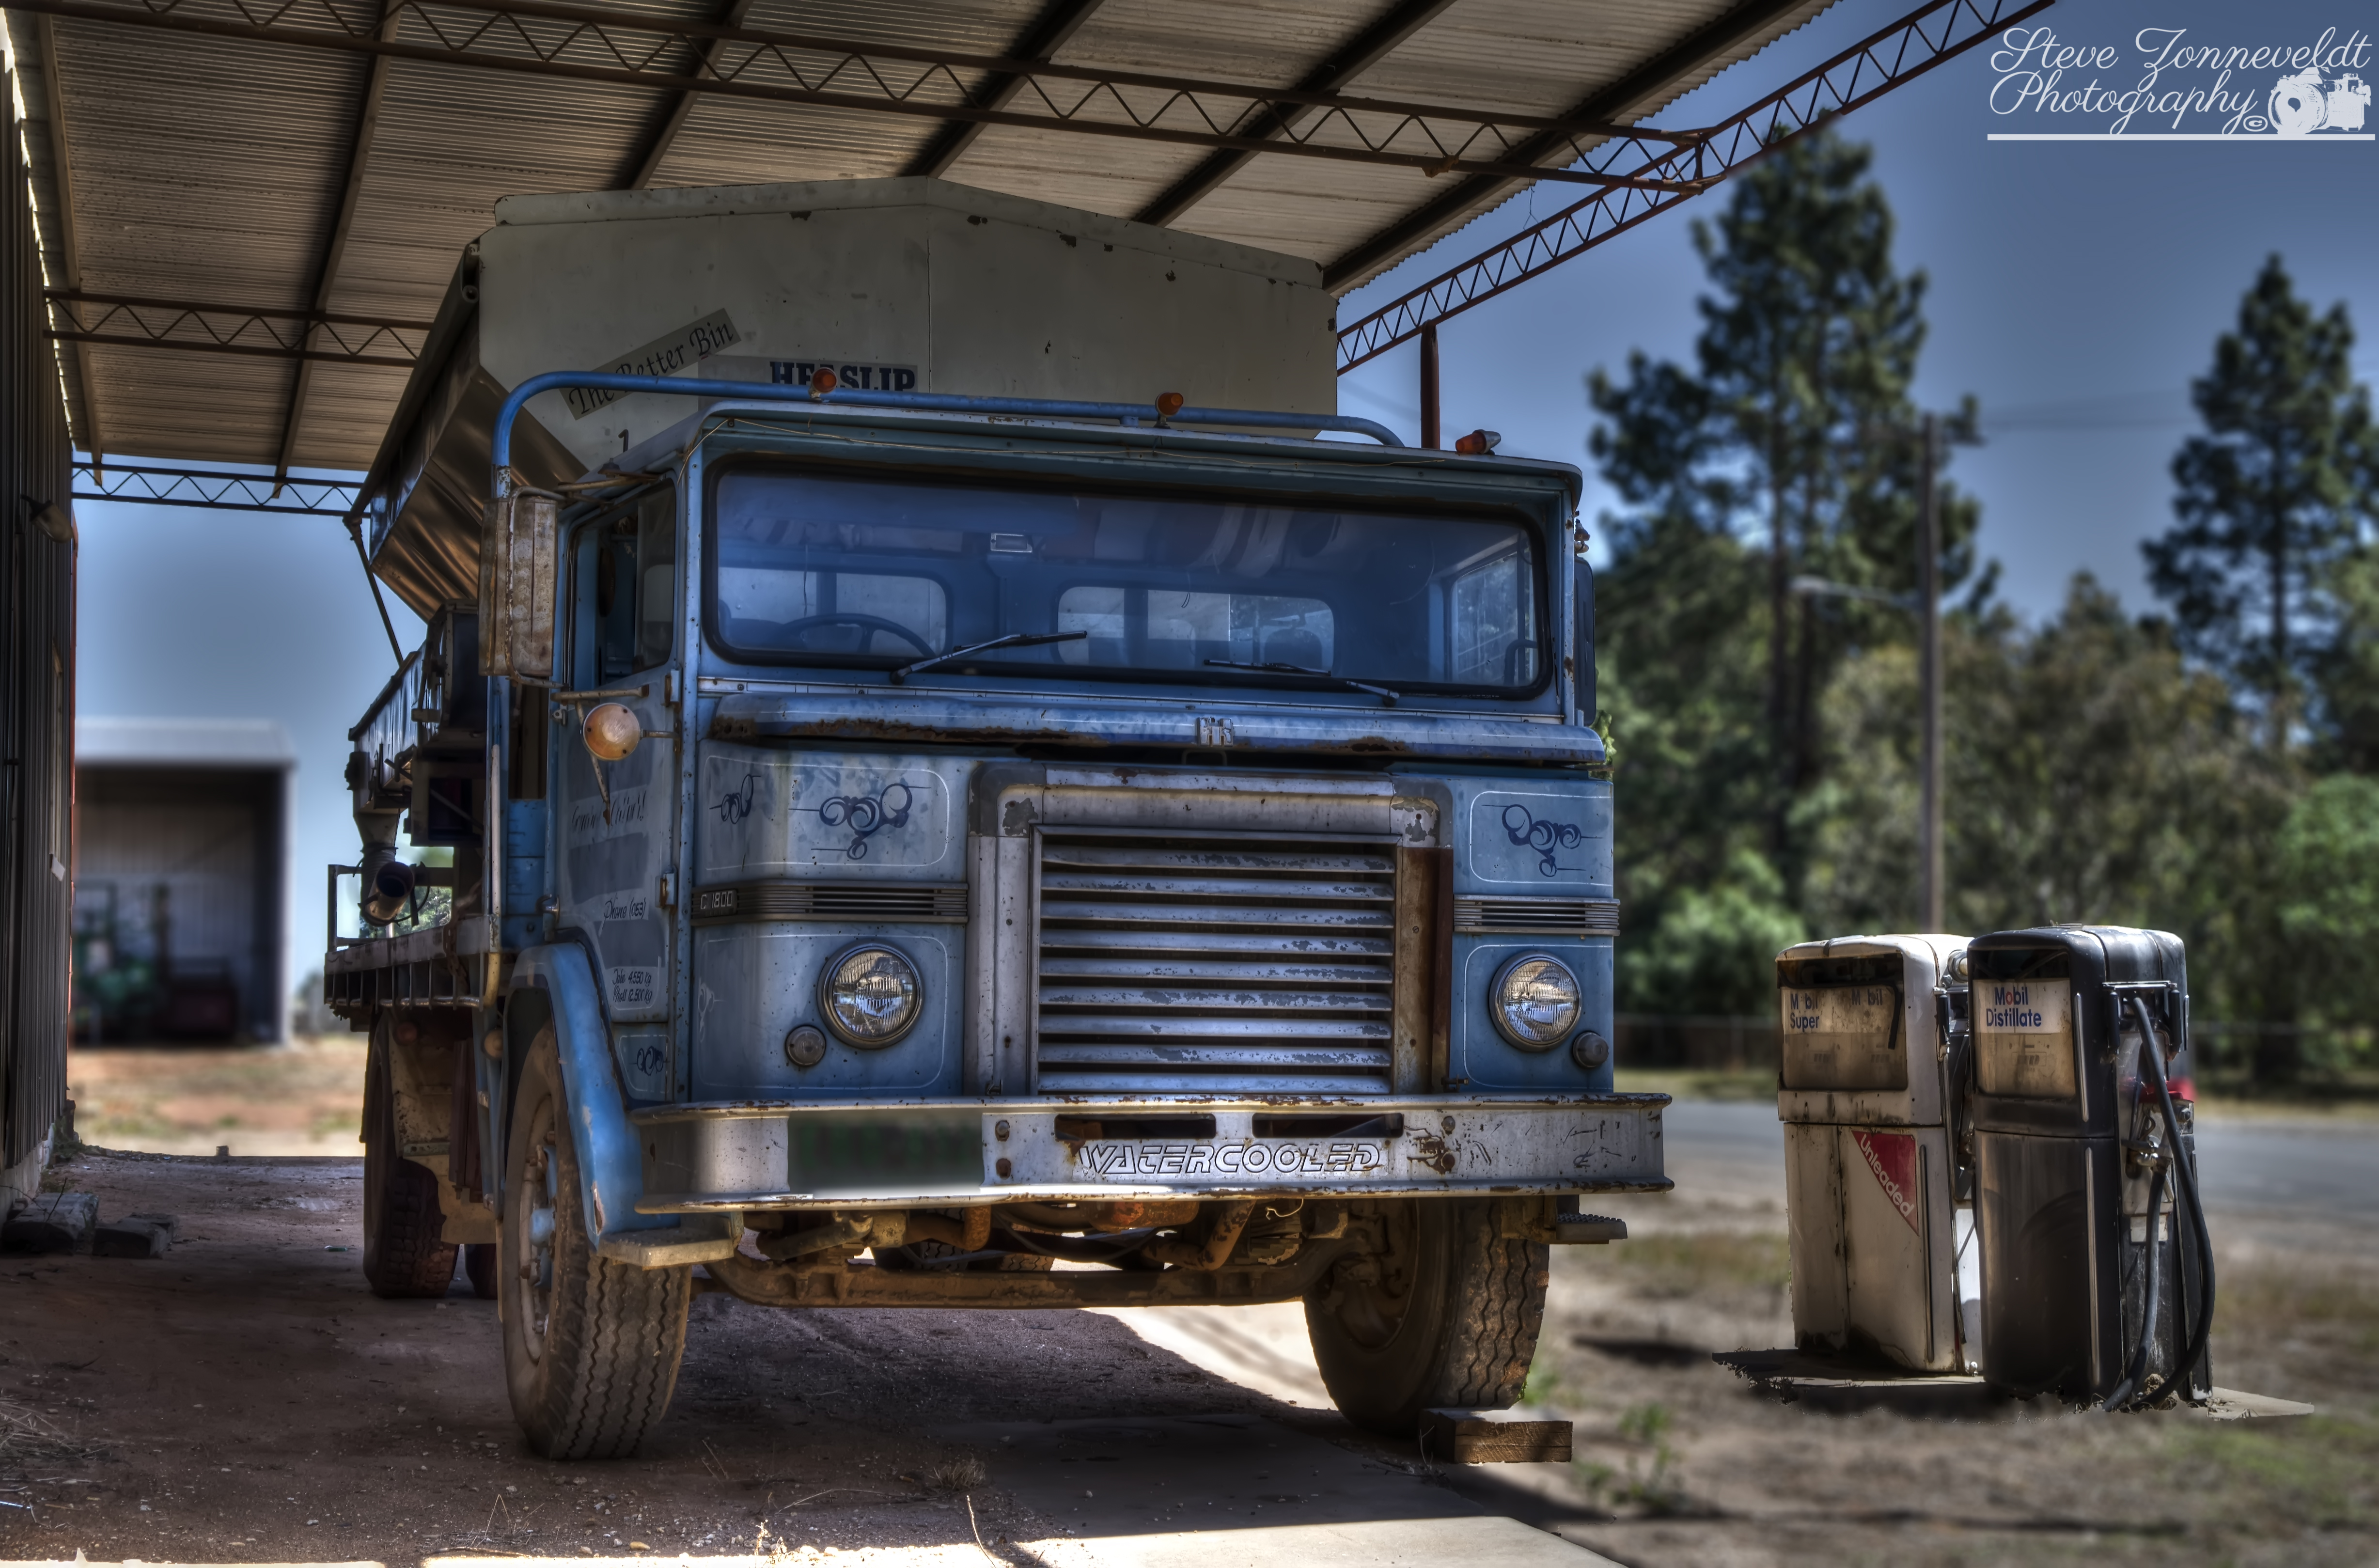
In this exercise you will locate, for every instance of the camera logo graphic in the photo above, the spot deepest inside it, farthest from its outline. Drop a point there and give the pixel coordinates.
(2304, 104)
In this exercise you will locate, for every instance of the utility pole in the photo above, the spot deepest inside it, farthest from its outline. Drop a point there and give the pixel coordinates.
(1929, 617)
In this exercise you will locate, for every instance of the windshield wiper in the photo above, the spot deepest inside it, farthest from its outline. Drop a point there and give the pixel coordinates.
(1282, 667)
(1013, 640)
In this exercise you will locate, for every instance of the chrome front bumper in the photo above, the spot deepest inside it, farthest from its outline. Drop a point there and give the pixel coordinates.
(778, 1154)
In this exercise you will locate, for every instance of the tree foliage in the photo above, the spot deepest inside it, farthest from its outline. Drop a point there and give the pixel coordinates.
(1795, 428)
(2093, 774)
(2271, 495)
(1787, 449)
(2099, 768)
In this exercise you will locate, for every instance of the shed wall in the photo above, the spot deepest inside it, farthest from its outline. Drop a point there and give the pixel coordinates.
(37, 677)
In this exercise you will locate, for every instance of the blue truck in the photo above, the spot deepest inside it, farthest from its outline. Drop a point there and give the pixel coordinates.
(943, 773)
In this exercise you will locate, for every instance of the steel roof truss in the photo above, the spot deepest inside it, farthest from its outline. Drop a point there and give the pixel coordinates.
(1360, 52)
(131, 322)
(646, 163)
(158, 485)
(1925, 38)
(590, 45)
(1057, 22)
(334, 249)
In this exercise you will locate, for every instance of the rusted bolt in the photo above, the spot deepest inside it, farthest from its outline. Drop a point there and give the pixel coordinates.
(1004, 1168)
(1000, 1130)
(1446, 1124)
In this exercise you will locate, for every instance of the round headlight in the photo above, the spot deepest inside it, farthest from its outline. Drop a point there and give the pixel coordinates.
(870, 995)
(1536, 1002)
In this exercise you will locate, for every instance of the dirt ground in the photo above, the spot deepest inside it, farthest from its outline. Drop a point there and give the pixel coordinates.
(247, 1400)
(1690, 1466)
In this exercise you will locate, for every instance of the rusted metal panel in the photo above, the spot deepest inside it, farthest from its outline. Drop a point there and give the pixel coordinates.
(834, 1284)
(518, 581)
(1421, 878)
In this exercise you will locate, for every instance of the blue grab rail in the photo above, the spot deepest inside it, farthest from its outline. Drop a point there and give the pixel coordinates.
(943, 403)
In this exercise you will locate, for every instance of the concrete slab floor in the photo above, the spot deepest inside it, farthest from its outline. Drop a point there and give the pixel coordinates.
(1215, 1491)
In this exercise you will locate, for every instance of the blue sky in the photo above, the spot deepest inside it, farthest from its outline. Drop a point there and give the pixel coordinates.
(2075, 290)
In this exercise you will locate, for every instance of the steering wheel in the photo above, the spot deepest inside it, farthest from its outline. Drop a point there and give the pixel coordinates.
(865, 622)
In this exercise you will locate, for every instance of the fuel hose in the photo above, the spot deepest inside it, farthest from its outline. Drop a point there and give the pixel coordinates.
(2185, 1162)
(2151, 1302)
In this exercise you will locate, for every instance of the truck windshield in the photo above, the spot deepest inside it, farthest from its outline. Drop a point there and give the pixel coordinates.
(830, 569)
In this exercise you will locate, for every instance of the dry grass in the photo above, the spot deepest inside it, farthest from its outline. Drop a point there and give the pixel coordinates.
(1669, 1265)
(962, 1473)
(2278, 1297)
(28, 1437)
(302, 1098)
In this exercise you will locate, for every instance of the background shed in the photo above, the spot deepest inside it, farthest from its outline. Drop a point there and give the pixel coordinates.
(181, 886)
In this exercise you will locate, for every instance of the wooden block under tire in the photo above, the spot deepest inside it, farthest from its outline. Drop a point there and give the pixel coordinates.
(1494, 1437)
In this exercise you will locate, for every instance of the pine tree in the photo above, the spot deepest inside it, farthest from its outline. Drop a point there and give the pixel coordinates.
(1786, 448)
(2271, 498)
(1794, 435)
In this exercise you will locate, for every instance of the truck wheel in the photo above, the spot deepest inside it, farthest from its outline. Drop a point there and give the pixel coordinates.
(591, 1346)
(403, 1255)
(1447, 1315)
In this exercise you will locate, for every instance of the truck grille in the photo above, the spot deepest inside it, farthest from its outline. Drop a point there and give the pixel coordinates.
(1237, 964)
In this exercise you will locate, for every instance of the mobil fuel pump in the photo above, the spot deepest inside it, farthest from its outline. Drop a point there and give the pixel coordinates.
(1874, 1051)
(2098, 1275)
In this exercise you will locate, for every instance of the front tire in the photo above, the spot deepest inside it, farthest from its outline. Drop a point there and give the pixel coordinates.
(591, 1346)
(1447, 1315)
(404, 1257)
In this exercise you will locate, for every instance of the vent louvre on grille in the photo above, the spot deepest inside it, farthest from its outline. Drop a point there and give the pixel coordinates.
(919, 901)
(1568, 917)
(1227, 964)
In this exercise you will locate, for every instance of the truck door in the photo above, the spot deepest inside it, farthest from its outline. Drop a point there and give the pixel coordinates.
(619, 819)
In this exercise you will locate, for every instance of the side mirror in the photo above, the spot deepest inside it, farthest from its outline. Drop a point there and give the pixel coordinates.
(519, 557)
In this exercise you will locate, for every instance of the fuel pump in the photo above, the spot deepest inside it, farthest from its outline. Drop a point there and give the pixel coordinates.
(1874, 1051)
(2097, 1275)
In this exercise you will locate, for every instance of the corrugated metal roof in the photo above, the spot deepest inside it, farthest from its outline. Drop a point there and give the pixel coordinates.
(183, 743)
(212, 170)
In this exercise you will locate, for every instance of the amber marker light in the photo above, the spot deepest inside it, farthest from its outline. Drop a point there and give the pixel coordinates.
(823, 380)
(612, 731)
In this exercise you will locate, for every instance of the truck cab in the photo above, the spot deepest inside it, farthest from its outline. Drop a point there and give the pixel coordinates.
(916, 842)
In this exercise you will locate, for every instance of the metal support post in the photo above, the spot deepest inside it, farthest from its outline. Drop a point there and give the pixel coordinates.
(1928, 611)
(1428, 422)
